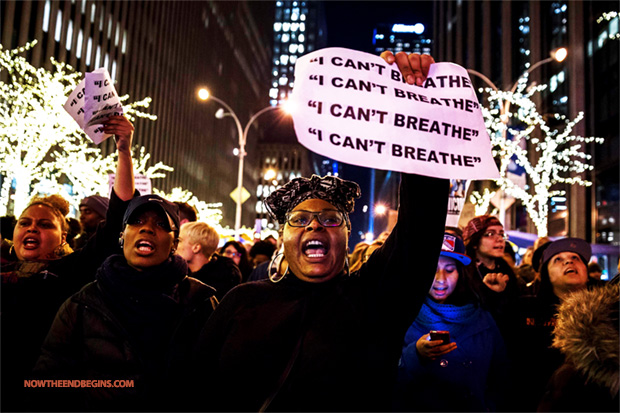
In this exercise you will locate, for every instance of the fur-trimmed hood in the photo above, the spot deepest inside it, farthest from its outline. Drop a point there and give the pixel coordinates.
(587, 334)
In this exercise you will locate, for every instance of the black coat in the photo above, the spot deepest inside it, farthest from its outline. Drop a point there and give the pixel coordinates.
(220, 273)
(142, 331)
(340, 340)
(30, 301)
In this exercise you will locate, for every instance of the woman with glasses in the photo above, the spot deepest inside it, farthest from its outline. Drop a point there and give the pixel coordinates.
(237, 252)
(491, 276)
(317, 337)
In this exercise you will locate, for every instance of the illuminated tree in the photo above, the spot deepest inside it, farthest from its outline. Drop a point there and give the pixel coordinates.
(560, 155)
(207, 212)
(481, 201)
(41, 146)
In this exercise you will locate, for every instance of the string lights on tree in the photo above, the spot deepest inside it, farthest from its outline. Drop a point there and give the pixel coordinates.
(560, 154)
(44, 151)
(481, 201)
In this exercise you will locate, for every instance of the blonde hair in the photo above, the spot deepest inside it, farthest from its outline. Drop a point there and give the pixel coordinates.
(203, 234)
(57, 204)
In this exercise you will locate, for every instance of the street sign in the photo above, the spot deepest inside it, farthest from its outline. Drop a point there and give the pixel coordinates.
(244, 194)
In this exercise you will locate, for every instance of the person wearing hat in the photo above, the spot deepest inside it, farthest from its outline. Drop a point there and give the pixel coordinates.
(92, 211)
(465, 372)
(490, 276)
(41, 270)
(563, 271)
(315, 336)
(138, 321)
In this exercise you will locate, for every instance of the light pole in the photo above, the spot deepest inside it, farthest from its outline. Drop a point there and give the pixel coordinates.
(557, 55)
(242, 133)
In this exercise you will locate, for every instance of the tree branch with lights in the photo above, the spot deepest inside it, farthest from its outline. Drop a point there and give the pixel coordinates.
(560, 154)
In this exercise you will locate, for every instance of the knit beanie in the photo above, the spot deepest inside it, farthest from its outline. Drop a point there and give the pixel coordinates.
(97, 203)
(478, 226)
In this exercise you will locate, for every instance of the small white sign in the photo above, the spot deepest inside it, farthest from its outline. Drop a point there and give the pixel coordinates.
(355, 108)
(92, 102)
(142, 183)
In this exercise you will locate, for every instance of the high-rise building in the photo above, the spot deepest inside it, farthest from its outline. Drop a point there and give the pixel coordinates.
(166, 50)
(502, 40)
(298, 28)
(399, 37)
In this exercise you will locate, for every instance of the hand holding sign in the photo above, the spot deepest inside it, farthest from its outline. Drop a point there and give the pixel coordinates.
(92, 102)
(355, 108)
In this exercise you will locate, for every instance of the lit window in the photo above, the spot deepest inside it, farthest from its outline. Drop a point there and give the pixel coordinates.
(109, 27)
(58, 26)
(89, 49)
(302, 27)
(286, 27)
(69, 35)
(113, 74)
(97, 57)
(106, 60)
(284, 59)
(283, 80)
(590, 51)
(279, 4)
(301, 38)
(553, 83)
(273, 93)
(564, 99)
(302, 17)
(602, 38)
(294, 17)
(92, 13)
(277, 26)
(124, 41)
(561, 76)
(117, 35)
(285, 37)
(292, 48)
(294, 27)
(613, 27)
(78, 47)
(275, 73)
(301, 48)
(293, 59)
(46, 16)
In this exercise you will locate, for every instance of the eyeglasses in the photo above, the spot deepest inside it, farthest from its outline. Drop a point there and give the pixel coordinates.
(326, 217)
(492, 234)
(231, 254)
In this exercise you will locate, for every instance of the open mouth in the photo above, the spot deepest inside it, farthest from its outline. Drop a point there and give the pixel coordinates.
(31, 243)
(569, 271)
(315, 249)
(145, 247)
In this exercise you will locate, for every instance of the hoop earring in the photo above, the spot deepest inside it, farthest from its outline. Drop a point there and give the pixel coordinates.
(273, 272)
(11, 249)
(121, 242)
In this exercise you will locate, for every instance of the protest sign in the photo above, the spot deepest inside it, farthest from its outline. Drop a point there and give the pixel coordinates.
(142, 183)
(456, 201)
(355, 108)
(92, 102)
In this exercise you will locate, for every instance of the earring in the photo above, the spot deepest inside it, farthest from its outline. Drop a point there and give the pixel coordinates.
(121, 242)
(172, 251)
(274, 267)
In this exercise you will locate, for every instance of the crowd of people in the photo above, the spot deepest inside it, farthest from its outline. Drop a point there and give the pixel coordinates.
(425, 318)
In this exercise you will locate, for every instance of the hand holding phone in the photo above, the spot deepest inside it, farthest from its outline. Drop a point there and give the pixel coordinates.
(440, 335)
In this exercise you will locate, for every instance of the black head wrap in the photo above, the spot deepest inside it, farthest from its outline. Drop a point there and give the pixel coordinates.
(338, 192)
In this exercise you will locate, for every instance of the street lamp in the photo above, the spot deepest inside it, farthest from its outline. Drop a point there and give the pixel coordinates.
(557, 55)
(242, 133)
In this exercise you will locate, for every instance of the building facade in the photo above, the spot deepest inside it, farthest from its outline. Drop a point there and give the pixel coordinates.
(166, 50)
(502, 40)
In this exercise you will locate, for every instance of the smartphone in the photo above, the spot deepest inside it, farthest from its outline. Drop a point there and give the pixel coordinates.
(442, 335)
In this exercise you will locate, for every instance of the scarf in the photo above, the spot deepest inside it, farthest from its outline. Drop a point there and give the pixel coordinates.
(144, 302)
(435, 316)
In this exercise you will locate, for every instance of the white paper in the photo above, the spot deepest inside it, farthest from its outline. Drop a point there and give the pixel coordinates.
(355, 108)
(92, 102)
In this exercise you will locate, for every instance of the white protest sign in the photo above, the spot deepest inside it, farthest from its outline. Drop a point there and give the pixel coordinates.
(92, 102)
(355, 108)
(456, 201)
(142, 183)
